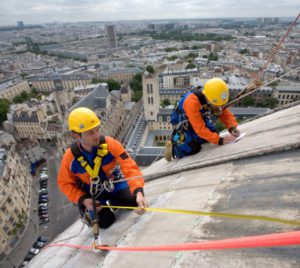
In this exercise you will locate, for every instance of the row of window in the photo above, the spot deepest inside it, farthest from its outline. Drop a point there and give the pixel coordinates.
(161, 138)
(292, 96)
(12, 92)
(149, 88)
(150, 100)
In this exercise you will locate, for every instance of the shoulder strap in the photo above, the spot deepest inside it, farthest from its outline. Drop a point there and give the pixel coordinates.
(75, 149)
(200, 97)
(101, 152)
(102, 140)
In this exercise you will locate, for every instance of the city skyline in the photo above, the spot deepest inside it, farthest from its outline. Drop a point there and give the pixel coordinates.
(36, 12)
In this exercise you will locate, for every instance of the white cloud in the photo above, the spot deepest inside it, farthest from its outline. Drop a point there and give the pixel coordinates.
(36, 11)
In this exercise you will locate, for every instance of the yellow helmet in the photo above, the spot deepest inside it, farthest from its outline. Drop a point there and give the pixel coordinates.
(82, 119)
(216, 91)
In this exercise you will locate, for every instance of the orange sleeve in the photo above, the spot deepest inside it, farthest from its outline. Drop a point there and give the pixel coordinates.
(228, 119)
(66, 179)
(128, 165)
(192, 108)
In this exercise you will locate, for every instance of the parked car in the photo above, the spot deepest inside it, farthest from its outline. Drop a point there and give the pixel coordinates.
(43, 205)
(24, 263)
(45, 216)
(44, 221)
(29, 256)
(42, 239)
(34, 251)
(43, 191)
(38, 244)
(43, 209)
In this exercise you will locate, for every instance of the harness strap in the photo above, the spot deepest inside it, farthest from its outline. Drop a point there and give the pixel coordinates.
(101, 152)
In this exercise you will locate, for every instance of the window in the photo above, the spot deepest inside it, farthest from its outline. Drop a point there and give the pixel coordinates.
(5, 228)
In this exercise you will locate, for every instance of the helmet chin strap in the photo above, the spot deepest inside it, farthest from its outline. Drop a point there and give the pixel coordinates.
(213, 109)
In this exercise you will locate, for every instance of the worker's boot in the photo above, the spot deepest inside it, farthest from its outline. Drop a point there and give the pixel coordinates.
(168, 151)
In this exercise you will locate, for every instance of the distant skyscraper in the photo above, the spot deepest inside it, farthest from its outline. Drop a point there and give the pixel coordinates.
(20, 24)
(111, 36)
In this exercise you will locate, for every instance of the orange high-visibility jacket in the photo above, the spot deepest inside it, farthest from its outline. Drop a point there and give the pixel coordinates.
(70, 170)
(192, 107)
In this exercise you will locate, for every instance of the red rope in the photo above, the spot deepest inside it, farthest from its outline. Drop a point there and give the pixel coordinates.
(271, 240)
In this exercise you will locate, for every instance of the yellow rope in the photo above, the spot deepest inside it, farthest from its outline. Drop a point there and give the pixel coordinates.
(213, 214)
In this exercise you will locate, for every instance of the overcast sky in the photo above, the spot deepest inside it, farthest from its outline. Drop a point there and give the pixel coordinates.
(40, 11)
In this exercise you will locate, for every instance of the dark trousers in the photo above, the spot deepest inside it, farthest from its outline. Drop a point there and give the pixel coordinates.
(105, 215)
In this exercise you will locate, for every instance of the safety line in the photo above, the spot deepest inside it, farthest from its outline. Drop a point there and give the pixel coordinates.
(264, 85)
(211, 214)
(270, 240)
(274, 51)
(270, 58)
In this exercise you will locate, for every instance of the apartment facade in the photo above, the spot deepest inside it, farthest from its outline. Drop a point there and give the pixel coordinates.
(15, 185)
(57, 82)
(124, 76)
(287, 94)
(27, 122)
(11, 89)
(177, 78)
(33, 123)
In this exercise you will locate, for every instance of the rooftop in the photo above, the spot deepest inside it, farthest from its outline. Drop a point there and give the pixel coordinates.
(259, 175)
(293, 89)
(132, 70)
(10, 83)
(95, 99)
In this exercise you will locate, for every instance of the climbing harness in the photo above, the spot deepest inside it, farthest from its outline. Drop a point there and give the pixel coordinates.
(96, 186)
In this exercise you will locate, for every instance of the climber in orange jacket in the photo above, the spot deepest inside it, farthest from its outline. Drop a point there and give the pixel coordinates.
(196, 108)
(89, 166)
